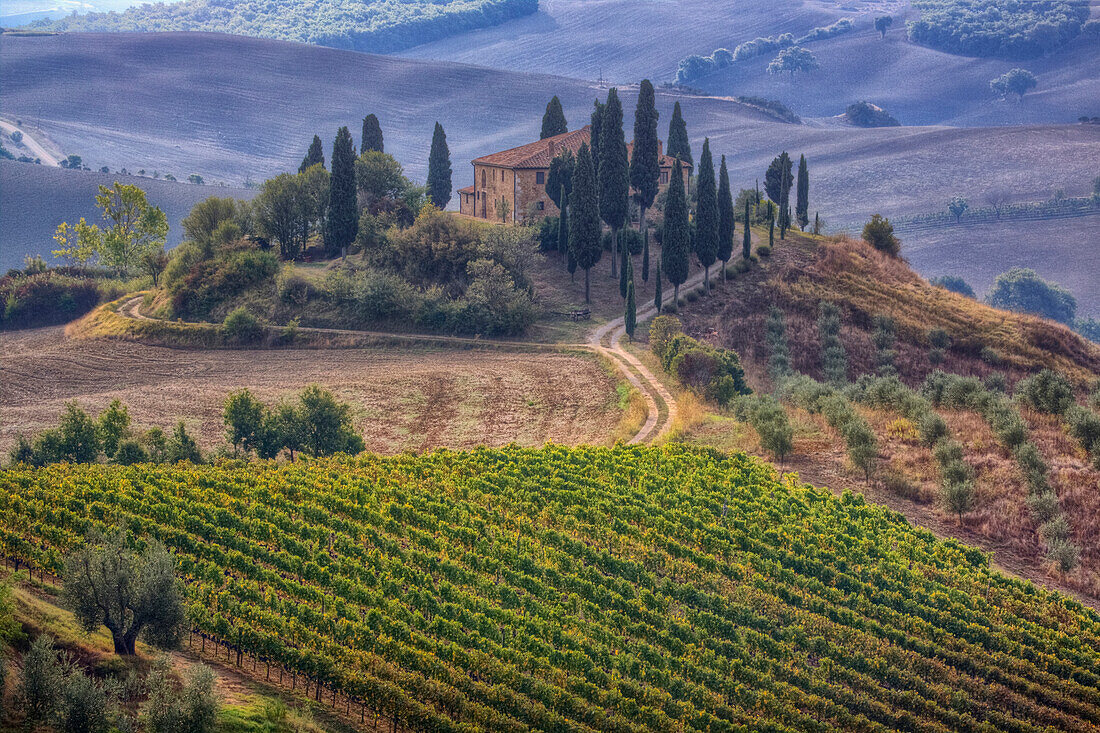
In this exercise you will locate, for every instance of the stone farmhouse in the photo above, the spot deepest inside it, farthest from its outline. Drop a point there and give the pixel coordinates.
(517, 177)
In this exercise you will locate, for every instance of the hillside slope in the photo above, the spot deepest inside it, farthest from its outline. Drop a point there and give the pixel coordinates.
(656, 588)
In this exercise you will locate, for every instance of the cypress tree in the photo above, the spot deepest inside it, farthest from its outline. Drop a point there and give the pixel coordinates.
(676, 241)
(802, 195)
(771, 224)
(614, 174)
(746, 243)
(657, 290)
(777, 179)
(563, 226)
(560, 176)
(645, 260)
(584, 231)
(726, 217)
(315, 155)
(624, 266)
(439, 169)
(631, 318)
(372, 135)
(645, 167)
(342, 218)
(817, 223)
(706, 215)
(678, 144)
(596, 122)
(553, 119)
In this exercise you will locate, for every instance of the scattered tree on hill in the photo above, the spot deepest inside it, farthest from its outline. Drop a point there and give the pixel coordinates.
(779, 353)
(153, 262)
(958, 206)
(726, 217)
(614, 174)
(1016, 81)
(834, 362)
(771, 224)
(42, 681)
(1021, 289)
(1048, 392)
(244, 418)
(678, 144)
(192, 709)
(132, 227)
(596, 122)
(706, 214)
(883, 23)
(955, 284)
(584, 227)
(778, 179)
(746, 240)
(342, 217)
(644, 164)
(802, 195)
(182, 447)
(133, 594)
(553, 119)
(287, 210)
(327, 424)
(885, 338)
(379, 177)
(372, 136)
(879, 233)
(676, 239)
(314, 156)
(439, 169)
(560, 177)
(791, 60)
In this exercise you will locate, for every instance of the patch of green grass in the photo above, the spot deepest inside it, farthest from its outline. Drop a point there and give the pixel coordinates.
(266, 715)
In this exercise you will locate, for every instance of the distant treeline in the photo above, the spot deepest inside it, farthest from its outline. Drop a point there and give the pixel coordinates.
(1059, 208)
(367, 25)
(1003, 28)
(695, 66)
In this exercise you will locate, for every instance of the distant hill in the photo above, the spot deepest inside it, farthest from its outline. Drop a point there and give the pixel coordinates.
(37, 198)
(361, 25)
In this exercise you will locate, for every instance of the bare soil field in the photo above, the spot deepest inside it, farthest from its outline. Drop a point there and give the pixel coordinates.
(403, 399)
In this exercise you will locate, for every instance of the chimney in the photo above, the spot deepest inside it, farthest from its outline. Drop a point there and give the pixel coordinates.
(551, 148)
(660, 148)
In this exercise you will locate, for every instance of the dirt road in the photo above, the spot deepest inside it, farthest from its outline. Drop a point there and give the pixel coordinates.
(36, 148)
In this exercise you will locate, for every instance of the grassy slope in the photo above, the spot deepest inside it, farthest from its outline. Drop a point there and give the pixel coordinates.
(782, 603)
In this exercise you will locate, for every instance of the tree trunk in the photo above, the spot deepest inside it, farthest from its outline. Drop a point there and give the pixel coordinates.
(676, 297)
(725, 264)
(706, 279)
(614, 252)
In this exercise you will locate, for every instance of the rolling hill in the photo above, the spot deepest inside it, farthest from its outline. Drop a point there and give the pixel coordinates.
(37, 198)
(234, 108)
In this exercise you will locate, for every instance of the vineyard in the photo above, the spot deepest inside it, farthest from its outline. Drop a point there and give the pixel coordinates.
(586, 589)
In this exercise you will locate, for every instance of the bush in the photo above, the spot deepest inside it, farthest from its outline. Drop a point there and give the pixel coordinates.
(85, 705)
(46, 299)
(1084, 426)
(764, 250)
(879, 233)
(1022, 290)
(865, 114)
(955, 284)
(959, 497)
(662, 330)
(129, 452)
(1064, 554)
(931, 427)
(241, 327)
(211, 282)
(769, 420)
(1044, 506)
(898, 483)
(1047, 391)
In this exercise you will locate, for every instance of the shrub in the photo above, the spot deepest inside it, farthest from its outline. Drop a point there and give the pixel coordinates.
(1084, 426)
(1044, 506)
(46, 299)
(764, 250)
(955, 284)
(85, 705)
(879, 233)
(296, 290)
(959, 497)
(932, 427)
(1064, 554)
(769, 420)
(662, 330)
(775, 335)
(1022, 290)
(865, 114)
(129, 452)
(241, 327)
(1033, 468)
(1047, 391)
(898, 483)
(903, 430)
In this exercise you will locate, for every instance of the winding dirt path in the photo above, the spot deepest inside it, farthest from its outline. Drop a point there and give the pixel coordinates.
(31, 144)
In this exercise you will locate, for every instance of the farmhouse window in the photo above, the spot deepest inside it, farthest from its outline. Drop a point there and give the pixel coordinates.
(483, 177)
(540, 177)
(664, 177)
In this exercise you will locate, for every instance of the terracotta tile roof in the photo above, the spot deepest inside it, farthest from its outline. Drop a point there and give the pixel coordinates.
(467, 189)
(539, 154)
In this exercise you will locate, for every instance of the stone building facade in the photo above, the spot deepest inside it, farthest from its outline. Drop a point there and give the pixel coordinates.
(510, 186)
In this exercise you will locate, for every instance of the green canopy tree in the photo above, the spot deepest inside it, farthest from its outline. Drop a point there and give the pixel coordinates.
(746, 242)
(439, 169)
(644, 162)
(131, 228)
(560, 176)
(802, 194)
(726, 217)
(778, 179)
(372, 136)
(342, 219)
(553, 119)
(676, 239)
(883, 23)
(584, 227)
(706, 214)
(315, 155)
(678, 144)
(613, 173)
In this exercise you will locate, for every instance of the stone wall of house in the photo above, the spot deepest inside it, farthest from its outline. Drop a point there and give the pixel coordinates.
(493, 184)
(531, 195)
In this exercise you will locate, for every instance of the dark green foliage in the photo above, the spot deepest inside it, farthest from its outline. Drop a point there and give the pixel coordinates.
(865, 114)
(563, 223)
(439, 169)
(714, 373)
(327, 424)
(1016, 81)
(52, 297)
(645, 257)
(624, 266)
(342, 216)
(879, 233)
(560, 176)
(746, 241)
(834, 362)
(1022, 290)
(883, 23)
(614, 169)
(211, 282)
(769, 420)
(802, 195)
(726, 217)
(644, 163)
(553, 119)
(85, 705)
(658, 295)
(372, 26)
(676, 237)
(181, 446)
(243, 416)
(779, 355)
(42, 681)
(112, 426)
(314, 156)
(1003, 28)
(706, 214)
(1084, 426)
(631, 318)
(129, 452)
(678, 144)
(792, 60)
(1089, 328)
(778, 179)
(372, 135)
(596, 122)
(884, 338)
(584, 224)
(955, 284)
(241, 327)
(1048, 391)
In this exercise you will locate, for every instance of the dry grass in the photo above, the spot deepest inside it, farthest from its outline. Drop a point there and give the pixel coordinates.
(411, 398)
